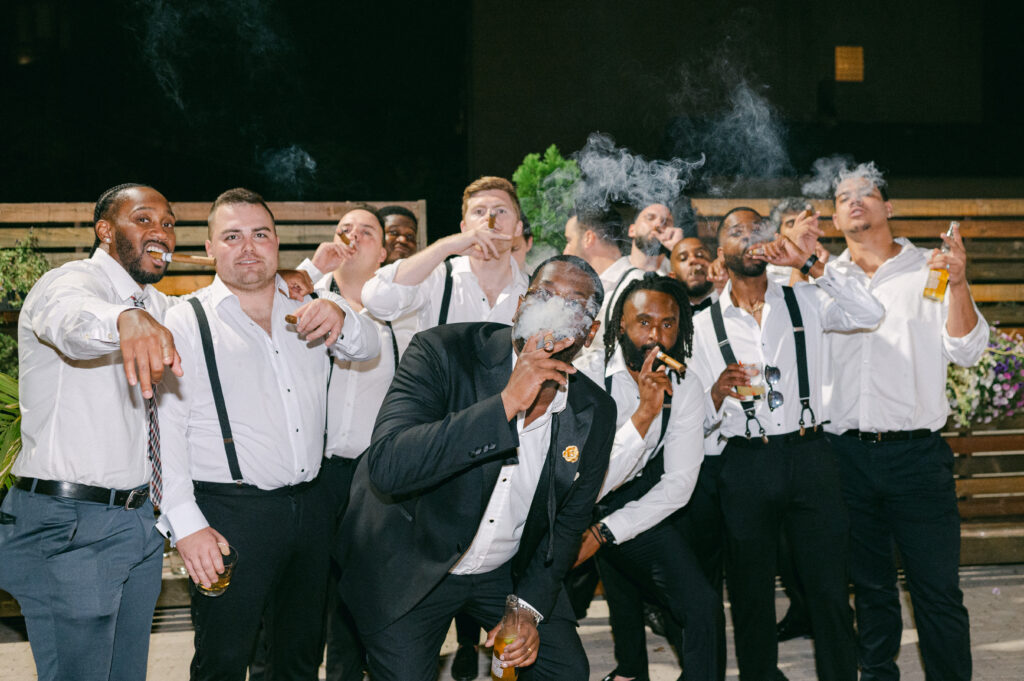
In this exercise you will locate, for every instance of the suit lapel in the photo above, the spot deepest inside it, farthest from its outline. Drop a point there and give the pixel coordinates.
(570, 429)
(494, 366)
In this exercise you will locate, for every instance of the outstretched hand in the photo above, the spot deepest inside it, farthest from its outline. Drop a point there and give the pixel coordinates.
(146, 347)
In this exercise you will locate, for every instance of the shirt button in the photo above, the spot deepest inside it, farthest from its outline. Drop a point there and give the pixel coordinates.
(491, 520)
(288, 389)
(504, 479)
(296, 430)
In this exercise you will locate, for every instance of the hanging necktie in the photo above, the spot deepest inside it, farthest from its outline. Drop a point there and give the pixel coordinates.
(156, 479)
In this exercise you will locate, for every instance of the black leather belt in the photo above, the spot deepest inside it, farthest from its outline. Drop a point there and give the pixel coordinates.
(756, 442)
(127, 498)
(889, 436)
(246, 490)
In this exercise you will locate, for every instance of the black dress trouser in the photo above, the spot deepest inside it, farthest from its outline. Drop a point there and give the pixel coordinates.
(903, 493)
(283, 539)
(659, 566)
(792, 485)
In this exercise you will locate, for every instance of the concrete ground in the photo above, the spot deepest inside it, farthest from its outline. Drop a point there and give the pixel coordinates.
(994, 596)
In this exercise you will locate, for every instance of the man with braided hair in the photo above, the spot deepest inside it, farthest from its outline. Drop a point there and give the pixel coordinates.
(78, 549)
(656, 455)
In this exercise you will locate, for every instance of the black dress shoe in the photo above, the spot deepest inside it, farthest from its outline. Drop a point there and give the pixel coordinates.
(465, 666)
(790, 628)
(653, 619)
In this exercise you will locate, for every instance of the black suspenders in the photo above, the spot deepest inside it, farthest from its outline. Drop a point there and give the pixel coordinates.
(446, 298)
(801, 360)
(801, 355)
(218, 394)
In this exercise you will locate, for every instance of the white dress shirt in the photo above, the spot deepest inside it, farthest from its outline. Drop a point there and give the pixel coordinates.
(594, 355)
(81, 421)
(275, 392)
(833, 302)
(390, 301)
(501, 527)
(683, 454)
(894, 376)
(356, 392)
(404, 327)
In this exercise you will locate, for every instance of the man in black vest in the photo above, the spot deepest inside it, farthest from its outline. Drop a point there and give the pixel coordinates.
(486, 459)
(655, 460)
(759, 348)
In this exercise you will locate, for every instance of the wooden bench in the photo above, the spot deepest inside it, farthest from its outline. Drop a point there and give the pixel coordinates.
(64, 232)
(989, 472)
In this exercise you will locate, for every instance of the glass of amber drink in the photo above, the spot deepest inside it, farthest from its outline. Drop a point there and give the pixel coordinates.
(756, 388)
(230, 557)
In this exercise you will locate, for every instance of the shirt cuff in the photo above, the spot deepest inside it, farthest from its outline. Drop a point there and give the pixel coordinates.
(183, 520)
(108, 322)
(966, 350)
(309, 268)
(532, 610)
(617, 528)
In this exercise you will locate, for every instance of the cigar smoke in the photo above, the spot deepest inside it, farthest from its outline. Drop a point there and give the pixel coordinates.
(289, 169)
(866, 171)
(824, 172)
(724, 113)
(209, 29)
(611, 174)
(563, 318)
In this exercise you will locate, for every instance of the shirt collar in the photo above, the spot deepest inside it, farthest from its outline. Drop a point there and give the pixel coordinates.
(773, 292)
(906, 258)
(460, 265)
(616, 363)
(124, 286)
(219, 291)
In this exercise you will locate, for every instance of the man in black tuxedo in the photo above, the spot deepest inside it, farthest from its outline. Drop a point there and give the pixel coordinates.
(487, 457)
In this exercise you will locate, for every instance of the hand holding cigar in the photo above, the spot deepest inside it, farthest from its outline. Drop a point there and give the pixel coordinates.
(181, 258)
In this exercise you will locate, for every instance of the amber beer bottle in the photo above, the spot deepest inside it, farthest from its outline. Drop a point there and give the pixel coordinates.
(935, 287)
(509, 632)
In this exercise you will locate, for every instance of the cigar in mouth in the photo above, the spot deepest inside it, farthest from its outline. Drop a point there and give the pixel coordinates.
(490, 221)
(181, 258)
(344, 238)
(671, 362)
(291, 319)
(549, 342)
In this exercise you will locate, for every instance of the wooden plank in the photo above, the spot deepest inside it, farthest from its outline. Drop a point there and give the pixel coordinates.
(991, 507)
(1008, 314)
(966, 466)
(179, 285)
(991, 543)
(961, 208)
(195, 211)
(999, 484)
(997, 293)
(964, 444)
(911, 229)
(188, 236)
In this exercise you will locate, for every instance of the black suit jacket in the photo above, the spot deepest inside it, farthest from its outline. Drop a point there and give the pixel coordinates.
(440, 440)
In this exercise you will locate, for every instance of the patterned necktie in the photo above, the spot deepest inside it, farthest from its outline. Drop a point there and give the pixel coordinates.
(156, 480)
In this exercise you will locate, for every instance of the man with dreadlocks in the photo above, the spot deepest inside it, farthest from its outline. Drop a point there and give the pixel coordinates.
(656, 455)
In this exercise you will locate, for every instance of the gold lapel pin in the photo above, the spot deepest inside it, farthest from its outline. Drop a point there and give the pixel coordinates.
(571, 454)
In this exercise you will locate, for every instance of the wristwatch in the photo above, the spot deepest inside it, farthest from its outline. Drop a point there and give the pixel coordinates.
(809, 264)
(606, 535)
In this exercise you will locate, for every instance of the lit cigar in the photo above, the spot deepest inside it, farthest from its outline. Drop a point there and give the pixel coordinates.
(809, 212)
(291, 319)
(490, 221)
(671, 362)
(182, 258)
(549, 342)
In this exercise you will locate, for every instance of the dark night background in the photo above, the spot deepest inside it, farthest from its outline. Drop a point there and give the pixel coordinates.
(410, 101)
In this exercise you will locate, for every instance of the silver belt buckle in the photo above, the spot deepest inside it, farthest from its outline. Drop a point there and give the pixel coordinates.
(132, 496)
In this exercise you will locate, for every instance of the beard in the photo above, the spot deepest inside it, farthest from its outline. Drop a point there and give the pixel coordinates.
(633, 355)
(697, 290)
(131, 260)
(648, 245)
(736, 264)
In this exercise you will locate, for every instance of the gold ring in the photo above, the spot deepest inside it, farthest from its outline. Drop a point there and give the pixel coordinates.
(529, 649)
